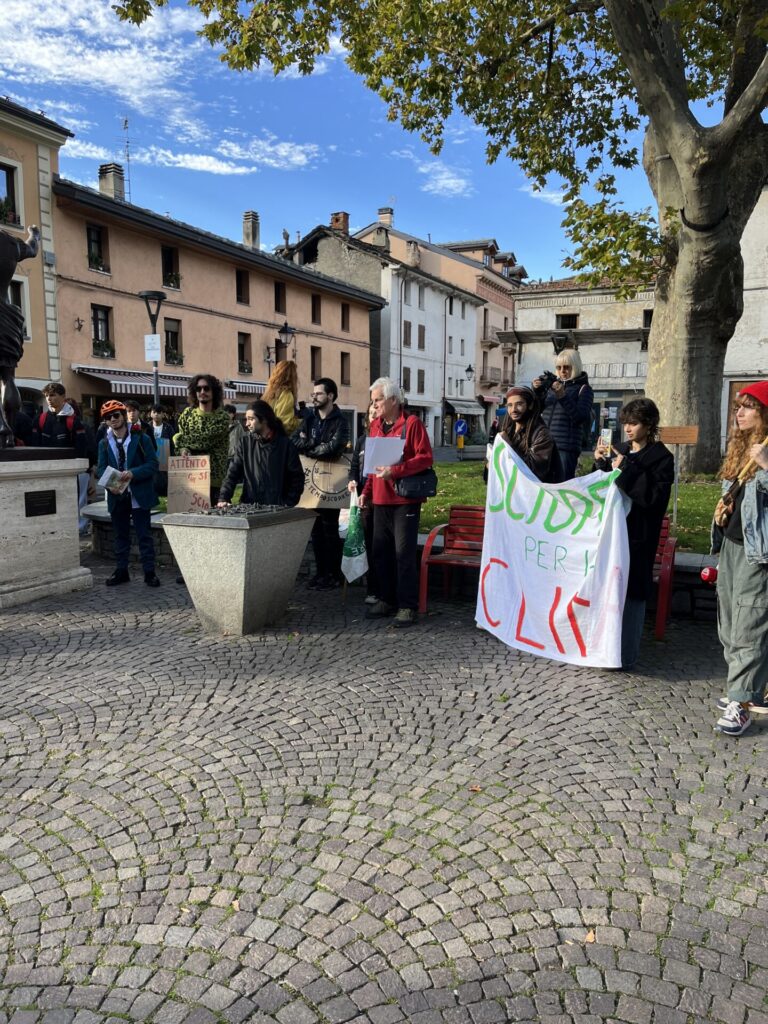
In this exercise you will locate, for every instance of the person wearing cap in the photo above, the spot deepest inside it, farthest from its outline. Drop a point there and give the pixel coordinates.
(131, 453)
(525, 433)
(740, 535)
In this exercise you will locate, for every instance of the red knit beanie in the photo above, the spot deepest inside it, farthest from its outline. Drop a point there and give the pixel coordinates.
(758, 390)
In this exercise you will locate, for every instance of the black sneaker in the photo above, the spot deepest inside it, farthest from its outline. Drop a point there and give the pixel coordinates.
(379, 610)
(315, 582)
(327, 583)
(151, 580)
(180, 581)
(117, 577)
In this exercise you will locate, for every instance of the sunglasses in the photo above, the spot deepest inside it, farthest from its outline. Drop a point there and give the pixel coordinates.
(113, 416)
(203, 387)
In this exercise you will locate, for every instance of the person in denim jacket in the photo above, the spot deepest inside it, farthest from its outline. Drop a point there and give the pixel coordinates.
(740, 535)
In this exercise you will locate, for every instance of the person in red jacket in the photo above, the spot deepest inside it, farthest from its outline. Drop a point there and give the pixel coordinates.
(395, 519)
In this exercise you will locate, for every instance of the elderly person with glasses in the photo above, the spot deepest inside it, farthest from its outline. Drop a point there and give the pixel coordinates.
(204, 427)
(567, 408)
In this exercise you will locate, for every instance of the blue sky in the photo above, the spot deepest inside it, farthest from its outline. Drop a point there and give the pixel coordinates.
(208, 143)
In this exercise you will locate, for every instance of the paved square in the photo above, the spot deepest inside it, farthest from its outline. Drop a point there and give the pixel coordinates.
(337, 821)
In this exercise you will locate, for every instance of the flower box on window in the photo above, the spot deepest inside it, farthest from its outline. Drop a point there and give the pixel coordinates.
(104, 349)
(244, 366)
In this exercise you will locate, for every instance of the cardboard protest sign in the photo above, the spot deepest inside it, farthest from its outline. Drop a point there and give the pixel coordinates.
(555, 563)
(189, 483)
(325, 482)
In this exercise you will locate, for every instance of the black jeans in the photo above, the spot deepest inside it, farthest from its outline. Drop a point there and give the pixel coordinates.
(122, 513)
(326, 543)
(395, 552)
(371, 577)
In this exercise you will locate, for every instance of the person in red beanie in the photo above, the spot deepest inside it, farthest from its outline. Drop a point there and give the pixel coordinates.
(740, 535)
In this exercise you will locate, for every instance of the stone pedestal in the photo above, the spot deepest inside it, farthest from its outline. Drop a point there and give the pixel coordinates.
(240, 570)
(39, 541)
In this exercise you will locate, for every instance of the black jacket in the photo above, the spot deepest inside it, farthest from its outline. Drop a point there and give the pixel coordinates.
(646, 477)
(567, 417)
(357, 463)
(536, 448)
(270, 470)
(68, 431)
(322, 438)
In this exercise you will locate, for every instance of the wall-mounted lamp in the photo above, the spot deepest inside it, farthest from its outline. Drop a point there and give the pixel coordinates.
(470, 372)
(559, 342)
(79, 324)
(286, 335)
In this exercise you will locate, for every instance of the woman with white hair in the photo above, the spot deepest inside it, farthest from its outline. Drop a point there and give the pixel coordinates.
(567, 407)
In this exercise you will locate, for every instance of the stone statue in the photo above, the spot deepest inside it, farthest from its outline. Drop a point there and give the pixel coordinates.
(12, 252)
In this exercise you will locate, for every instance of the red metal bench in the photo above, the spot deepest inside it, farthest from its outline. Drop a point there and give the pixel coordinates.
(463, 547)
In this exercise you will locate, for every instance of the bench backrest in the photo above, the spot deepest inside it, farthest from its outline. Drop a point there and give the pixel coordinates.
(663, 535)
(465, 529)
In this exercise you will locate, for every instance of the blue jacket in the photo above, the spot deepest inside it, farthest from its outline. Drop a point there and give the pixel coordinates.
(754, 519)
(141, 459)
(566, 417)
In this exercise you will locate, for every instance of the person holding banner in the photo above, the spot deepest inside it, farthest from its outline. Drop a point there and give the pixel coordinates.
(323, 435)
(740, 535)
(524, 431)
(265, 461)
(646, 474)
(395, 518)
(204, 427)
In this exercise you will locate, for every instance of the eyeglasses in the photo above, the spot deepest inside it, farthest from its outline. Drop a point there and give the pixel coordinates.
(113, 416)
(203, 387)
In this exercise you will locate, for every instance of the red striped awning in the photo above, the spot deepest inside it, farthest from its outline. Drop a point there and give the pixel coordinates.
(139, 382)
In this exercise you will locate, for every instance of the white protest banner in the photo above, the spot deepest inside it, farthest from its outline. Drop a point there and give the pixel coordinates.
(325, 482)
(189, 483)
(555, 563)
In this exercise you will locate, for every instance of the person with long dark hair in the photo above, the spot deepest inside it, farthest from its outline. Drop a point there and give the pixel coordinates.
(524, 431)
(646, 474)
(265, 461)
(740, 534)
(204, 427)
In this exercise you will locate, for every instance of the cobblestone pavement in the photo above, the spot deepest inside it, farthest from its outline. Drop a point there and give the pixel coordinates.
(338, 822)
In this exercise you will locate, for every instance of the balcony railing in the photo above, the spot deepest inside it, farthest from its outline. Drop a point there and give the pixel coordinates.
(103, 349)
(243, 366)
(490, 338)
(492, 375)
(174, 358)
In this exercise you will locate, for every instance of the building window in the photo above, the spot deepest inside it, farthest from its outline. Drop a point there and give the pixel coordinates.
(101, 332)
(566, 321)
(450, 385)
(422, 291)
(485, 321)
(280, 306)
(463, 311)
(506, 322)
(317, 309)
(647, 319)
(315, 362)
(505, 369)
(173, 354)
(96, 237)
(450, 305)
(505, 270)
(243, 286)
(406, 333)
(419, 382)
(17, 297)
(406, 378)
(244, 360)
(461, 386)
(485, 366)
(422, 339)
(406, 293)
(169, 256)
(461, 353)
(345, 316)
(486, 259)
(345, 368)
(450, 344)
(10, 212)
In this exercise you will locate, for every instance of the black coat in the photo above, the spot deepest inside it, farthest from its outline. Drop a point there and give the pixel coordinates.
(567, 416)
(322, 438)
(270, 470)
(646, 477)
(357, 463)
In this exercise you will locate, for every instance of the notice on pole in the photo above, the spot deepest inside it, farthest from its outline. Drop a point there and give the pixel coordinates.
(189, 483)
(152, 348)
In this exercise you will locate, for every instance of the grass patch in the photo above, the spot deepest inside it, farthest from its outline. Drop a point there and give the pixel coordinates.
(461, 483)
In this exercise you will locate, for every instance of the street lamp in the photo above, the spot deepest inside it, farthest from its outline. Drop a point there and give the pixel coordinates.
(470, 372)
(149, 298)
(286, 335)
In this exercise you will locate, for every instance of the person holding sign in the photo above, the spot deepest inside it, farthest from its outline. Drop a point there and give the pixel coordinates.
(204, 427)
(266, 462)
(323, 435)
(126, 467)
(567, 408)
(740, 534)
(646, 471)
(395, 518)
(525, 432)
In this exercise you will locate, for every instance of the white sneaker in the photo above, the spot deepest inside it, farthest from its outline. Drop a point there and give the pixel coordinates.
(371, 599)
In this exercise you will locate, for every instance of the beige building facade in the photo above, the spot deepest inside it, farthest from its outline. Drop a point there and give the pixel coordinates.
(29, 159)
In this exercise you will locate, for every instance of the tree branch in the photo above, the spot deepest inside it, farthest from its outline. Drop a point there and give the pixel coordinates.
(748, 105)
(584, 7)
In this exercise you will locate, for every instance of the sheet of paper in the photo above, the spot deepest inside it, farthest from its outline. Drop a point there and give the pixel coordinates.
(382, 451)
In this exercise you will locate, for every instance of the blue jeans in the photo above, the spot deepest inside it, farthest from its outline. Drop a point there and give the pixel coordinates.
(122, 513)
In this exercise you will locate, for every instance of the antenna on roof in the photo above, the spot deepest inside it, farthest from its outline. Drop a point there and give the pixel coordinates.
(127, 160)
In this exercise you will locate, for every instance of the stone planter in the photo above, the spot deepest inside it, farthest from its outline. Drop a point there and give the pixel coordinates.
(240, 570)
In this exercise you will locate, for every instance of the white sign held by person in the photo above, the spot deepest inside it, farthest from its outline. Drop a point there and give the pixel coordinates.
(555, 563)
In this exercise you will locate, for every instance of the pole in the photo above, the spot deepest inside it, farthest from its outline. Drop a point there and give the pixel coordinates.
(155, 372)
(677, 479)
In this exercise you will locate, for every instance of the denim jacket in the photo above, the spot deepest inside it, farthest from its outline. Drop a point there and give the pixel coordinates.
(754, 519)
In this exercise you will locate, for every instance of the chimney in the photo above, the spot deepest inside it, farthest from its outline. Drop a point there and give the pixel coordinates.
(386, 216)
(340, 222)
(112, 181)
(412, 253)
(251, 230)
(381, 238)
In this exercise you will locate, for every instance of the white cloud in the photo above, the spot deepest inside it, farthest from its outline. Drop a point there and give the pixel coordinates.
(442, 179)
(269, 151)
(159, 157)
(76, 149)
(554, 197)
